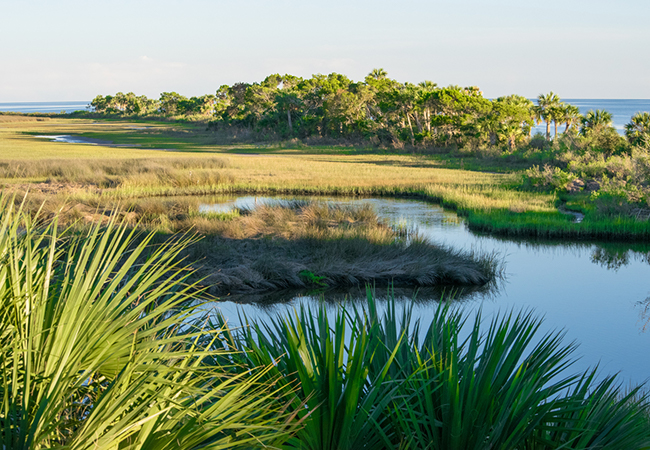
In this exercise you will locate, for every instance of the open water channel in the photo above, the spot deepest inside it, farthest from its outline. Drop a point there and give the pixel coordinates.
(598, 293)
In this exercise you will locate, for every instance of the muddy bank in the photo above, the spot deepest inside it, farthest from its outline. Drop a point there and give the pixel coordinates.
(258, 265)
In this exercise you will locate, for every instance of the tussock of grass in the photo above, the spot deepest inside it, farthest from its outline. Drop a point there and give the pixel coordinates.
(269, 247)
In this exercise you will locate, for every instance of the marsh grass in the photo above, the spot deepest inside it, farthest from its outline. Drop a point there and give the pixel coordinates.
(114, 173)
(490, 202)
(267, 248)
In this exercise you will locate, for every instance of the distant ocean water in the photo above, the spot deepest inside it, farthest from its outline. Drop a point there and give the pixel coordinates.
(44, 107)
(621, 109)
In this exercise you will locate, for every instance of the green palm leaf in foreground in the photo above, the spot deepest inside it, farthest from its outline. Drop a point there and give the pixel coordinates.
(92, 355)
(380, 381)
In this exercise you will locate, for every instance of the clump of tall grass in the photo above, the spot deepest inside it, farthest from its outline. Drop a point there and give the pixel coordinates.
(100, 348)
(391, 381)
(267, 248)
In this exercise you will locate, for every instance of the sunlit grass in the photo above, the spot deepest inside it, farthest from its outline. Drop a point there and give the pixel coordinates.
(490, 202)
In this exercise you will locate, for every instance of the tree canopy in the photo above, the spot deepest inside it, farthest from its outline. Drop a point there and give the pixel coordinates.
(379, 109)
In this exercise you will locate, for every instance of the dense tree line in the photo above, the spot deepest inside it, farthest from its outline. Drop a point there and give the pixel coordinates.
(383, 111)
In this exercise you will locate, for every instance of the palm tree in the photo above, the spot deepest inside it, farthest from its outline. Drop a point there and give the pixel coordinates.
(544, 110)
(571, 116)
(637, 131)
(378, 74)
(557, 116)
(596, 121)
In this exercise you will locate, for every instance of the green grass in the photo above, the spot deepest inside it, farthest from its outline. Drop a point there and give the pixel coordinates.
(490, 202)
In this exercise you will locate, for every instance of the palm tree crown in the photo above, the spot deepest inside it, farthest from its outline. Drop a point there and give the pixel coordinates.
(596, 121)
(637, 131)
(546, 110)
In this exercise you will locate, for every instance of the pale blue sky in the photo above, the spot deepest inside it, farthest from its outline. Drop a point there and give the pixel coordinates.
(74, 49)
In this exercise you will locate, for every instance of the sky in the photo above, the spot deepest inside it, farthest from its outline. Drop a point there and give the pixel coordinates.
(74, 50)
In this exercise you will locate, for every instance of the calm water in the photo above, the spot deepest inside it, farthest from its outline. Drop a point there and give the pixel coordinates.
(596, 292)
(44, 107)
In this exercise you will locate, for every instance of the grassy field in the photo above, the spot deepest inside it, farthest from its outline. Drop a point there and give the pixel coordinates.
(172, 159)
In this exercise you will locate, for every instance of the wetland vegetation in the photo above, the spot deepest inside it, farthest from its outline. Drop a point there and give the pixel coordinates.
(104, 345)
(126, 356)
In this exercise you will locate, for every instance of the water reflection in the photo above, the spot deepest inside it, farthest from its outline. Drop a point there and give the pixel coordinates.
(609, 255)
(358, 295)
(599, 292)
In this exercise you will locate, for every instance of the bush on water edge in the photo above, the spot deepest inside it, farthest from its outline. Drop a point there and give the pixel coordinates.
(103, 346)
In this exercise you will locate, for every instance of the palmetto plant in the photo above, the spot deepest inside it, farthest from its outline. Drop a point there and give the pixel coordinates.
(99, 351)
(638, 130)
(381, 381)
(596, 121)
(342, 372)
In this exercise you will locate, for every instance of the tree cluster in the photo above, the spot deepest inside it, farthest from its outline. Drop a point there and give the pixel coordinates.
(379, 109)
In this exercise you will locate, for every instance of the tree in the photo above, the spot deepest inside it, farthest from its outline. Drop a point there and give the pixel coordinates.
(378, 74)
(100, 103)
(595, 122)
(328, 102)
(169, 103)
(638, 130)
(512, 117)
(570, 116)
(458, 112)
(290, 103)
(597, 125)
(546, 110)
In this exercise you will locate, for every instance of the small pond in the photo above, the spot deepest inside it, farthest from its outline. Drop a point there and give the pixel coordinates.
(597, 292)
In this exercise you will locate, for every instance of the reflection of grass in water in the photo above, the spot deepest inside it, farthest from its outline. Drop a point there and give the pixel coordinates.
(610, 255)
(356, 294)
